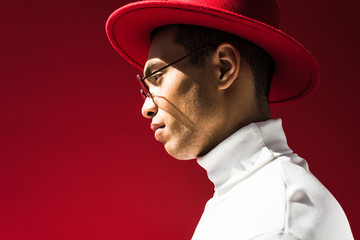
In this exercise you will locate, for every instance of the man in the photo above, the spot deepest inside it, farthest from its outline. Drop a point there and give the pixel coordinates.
(207, 80)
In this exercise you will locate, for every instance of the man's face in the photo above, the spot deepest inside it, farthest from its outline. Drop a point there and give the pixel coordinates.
(185, 117)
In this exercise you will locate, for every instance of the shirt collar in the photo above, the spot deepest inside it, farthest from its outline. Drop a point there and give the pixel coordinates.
(243, 153)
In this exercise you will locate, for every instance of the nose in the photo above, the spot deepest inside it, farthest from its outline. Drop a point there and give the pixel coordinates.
(149, 108)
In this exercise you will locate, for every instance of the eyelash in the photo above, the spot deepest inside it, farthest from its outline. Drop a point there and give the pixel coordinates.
(155, 78)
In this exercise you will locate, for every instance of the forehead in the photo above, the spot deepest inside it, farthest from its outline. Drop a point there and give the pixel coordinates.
(163, 49)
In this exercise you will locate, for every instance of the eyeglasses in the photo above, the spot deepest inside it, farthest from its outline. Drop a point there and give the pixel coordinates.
(145, 91)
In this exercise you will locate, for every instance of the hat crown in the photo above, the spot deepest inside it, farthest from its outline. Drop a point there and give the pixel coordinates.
(266, 11)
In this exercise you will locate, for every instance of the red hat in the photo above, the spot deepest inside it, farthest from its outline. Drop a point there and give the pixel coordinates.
(296, 71)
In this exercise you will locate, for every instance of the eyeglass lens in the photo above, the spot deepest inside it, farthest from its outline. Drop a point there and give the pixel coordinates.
(144, 88)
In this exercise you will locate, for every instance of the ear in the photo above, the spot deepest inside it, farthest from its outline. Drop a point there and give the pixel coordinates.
(228, 60)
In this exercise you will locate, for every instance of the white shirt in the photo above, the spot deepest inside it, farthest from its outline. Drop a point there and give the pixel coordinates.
(265, 191)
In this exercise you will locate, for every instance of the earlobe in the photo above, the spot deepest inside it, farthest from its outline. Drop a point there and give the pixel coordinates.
(228, 58)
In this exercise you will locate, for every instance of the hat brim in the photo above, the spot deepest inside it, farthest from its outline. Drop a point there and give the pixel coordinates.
(296, 71)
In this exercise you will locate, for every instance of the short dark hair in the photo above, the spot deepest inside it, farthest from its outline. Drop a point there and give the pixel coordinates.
(193, 37)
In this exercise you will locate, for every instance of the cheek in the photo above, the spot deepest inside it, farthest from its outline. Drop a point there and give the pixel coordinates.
(186, 100)
(177, 92)
(175, 85)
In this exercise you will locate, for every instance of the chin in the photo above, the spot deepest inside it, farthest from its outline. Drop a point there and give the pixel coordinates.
(180, 153)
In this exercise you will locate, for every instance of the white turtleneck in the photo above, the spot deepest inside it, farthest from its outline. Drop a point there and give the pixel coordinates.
(265, 191)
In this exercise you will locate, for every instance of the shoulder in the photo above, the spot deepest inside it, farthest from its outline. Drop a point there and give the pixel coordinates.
(312, 212)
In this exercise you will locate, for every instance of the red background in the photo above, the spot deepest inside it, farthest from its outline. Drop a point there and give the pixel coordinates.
(79, 162)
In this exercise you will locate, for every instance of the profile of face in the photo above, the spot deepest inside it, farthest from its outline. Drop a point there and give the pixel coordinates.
(183, 113)
(194, 108)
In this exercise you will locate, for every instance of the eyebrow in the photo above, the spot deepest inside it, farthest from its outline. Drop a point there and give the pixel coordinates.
(152, 65)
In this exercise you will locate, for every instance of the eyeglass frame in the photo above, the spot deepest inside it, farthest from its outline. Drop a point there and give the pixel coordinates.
(142, 79)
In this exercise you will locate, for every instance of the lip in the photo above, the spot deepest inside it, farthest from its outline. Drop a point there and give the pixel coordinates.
(158, 128)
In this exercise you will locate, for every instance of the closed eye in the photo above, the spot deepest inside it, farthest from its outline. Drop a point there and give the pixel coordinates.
(155, 79)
